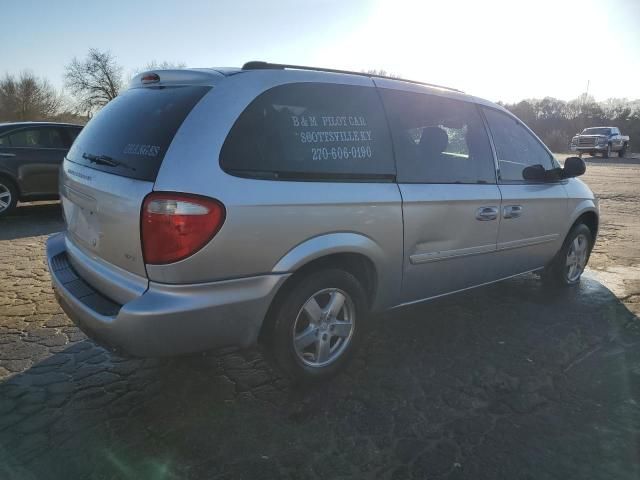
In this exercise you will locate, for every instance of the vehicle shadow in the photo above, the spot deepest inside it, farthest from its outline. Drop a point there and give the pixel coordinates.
(32, 219)
(615, 160)
(507, 381)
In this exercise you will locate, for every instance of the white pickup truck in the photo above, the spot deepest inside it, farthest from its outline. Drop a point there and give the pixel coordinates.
(604, 140)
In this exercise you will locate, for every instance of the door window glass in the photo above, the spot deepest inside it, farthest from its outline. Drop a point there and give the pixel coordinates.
(73, 133)
(37, 138)
(311, 131)
(437, 139)
(516, 148)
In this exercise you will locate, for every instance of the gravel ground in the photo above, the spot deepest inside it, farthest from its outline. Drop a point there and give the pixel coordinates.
(507, 381)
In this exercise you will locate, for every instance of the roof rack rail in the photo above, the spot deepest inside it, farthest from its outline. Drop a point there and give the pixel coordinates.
(258, 65)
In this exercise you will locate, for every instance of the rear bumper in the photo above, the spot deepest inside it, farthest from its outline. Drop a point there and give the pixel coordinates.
(166, 319)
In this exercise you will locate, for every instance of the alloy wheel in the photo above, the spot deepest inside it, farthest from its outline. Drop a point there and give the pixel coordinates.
(324, 327)
(5, 197)
(577, 257)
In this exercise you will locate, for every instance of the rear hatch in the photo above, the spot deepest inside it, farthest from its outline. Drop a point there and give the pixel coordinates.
(113, 165)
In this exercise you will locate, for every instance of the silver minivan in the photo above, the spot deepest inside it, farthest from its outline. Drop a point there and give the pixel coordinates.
(281, 205)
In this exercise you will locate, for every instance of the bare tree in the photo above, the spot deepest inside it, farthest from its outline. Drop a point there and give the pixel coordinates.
(164, 65)
(28, 97)
(381, 73)
(155, 65)
(94, 81)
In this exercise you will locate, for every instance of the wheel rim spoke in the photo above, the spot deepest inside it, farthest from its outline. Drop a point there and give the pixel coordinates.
(5, 197)
(323, 348)
(335, 304)
(576, 245)
(313, 310)
(306, 338)
(571, 259)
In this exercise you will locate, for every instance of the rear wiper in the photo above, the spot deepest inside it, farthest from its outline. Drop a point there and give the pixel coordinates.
(105, 160)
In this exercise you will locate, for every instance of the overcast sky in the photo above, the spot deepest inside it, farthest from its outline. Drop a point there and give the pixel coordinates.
(500, 50)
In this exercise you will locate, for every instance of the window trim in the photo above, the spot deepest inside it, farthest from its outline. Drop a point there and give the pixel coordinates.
(313, 176)
(494, 152)
(500, 181)
(317, 177)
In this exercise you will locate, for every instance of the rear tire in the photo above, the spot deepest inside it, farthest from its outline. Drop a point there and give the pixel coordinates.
(623, 151)
(8, 196)
(567, 267)
(318, 325)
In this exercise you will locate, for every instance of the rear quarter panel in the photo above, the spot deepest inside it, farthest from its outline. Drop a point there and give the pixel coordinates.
(269, 223)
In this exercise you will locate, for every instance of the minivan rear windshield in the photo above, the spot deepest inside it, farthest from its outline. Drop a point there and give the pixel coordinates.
(131, 134)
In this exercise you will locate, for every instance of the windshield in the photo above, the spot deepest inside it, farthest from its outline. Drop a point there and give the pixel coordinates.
(596, 131)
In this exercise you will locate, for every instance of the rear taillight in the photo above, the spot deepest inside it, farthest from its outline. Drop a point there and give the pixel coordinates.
(177, 225)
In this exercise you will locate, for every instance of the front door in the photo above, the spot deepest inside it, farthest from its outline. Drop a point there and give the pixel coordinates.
(533, 214)
(450, 200)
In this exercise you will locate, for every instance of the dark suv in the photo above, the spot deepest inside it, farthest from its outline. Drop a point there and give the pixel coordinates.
(30, 157)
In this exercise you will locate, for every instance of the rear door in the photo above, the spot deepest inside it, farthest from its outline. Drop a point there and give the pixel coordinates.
(36, 154)
(112, 166)
(534, 214)
(451, 202)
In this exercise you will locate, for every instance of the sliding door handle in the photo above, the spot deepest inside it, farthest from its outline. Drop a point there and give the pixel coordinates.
(485, 214)
(512, 211)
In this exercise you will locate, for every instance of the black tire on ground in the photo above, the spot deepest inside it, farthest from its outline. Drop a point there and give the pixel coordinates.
(291, 320)
(8, 196)
(623, 151)
(557, 273)
(607, 152)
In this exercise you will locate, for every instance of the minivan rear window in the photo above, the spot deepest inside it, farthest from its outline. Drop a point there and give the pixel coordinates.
(311, 131)
(131, 134)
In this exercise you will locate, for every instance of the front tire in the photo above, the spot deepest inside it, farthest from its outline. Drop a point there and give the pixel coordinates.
(8, 197)
(623, 151)
(318, 324)
(607, 152)
(568, 265)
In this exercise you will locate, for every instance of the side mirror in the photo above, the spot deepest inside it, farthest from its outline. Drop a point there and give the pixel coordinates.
(535, 173)
(573, 167)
